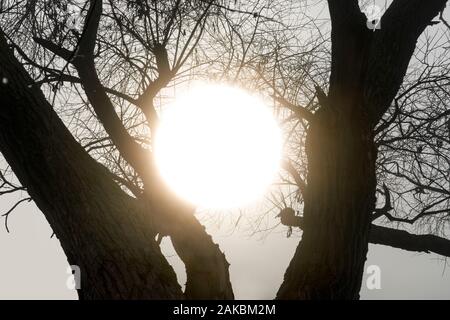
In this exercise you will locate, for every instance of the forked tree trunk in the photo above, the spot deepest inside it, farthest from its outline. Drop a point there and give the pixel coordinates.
(367, 69)
(108, 234)
(341, 182)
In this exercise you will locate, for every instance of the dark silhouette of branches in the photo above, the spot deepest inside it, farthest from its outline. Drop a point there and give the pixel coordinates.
(110, 74)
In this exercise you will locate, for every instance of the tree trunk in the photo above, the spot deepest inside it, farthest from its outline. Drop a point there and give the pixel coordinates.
(206, 266)
(104, 231)
(340, 192)
(367, 69)
(329, 261)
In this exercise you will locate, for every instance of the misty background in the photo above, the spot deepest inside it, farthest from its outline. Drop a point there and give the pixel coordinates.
(33, 265)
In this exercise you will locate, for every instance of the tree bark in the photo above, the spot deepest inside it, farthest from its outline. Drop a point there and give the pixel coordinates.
(101, 229)
(340, 193)
(367, 69)
(206, 266)
(329, 261)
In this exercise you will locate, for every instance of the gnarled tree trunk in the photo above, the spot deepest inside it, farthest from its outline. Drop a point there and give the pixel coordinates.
(101, 229)
(367, 70)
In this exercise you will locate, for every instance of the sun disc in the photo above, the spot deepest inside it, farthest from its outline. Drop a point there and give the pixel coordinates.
(218, 146)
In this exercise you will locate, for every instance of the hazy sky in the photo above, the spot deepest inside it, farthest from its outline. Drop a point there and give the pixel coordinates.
(33, 266)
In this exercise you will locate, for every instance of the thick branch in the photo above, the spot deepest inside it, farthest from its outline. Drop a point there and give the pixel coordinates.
(130, 150)
(83, 61)
(386, 236)
(408, 241)
(59, 51)
(86, 44)
(392, 48)
(345, 14)
(350, 39)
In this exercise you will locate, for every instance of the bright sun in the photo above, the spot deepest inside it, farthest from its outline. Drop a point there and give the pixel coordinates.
(218, 146)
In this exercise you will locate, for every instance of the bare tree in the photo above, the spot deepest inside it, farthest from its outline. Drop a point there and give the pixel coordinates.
(82, 93)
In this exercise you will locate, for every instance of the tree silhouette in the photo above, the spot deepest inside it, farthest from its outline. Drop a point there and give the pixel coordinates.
(82, 86)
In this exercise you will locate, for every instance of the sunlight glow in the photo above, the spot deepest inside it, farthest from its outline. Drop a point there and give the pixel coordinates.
(218, 146)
